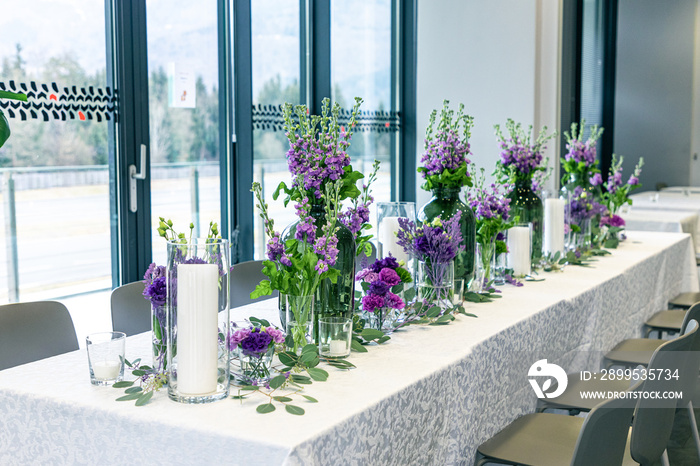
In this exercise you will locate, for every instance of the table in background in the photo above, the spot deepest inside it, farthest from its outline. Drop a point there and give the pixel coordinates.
(669, 201)
(428, 396)
(671, 221)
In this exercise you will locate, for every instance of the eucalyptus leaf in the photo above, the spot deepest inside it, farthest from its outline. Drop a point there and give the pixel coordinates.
(129, 397)
(383, 339)
(265, 408)
(319, 375)
(288, 359)
(144, 398)
(249, 388)
(409, 294)
(357, 346)
(297, 411)
(282, 399)
(238, 397)
(133, 390)
(277, 382)
(371, 334)
(138, 373)
(433, 312)
(310, 398)
(123, 384)
(309, 349)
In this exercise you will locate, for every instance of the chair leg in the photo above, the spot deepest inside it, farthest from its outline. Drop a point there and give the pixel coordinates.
(694, 427)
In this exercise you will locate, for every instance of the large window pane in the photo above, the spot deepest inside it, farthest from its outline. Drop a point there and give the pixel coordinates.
(276, 77)
(361, 58)
(55, 195)
(184, 115)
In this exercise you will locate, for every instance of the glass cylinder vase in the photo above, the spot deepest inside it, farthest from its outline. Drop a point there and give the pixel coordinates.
(383, 319)
(527, 205)
(580, 196)
(158, 333)
(388, 215)
(198, 320)
(445, 203)
(255, 367)
(435, 282)
(332, 299)
(299, 320)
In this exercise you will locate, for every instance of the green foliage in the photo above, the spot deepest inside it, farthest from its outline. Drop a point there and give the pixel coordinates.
(4, 125)
(142, 393)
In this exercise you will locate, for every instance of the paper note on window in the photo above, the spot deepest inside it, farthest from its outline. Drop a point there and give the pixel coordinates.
(182, 89)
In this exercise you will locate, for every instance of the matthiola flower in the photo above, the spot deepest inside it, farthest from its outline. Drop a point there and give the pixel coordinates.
(438, 241)
(445, 152)
(520, 158)
(633, 180)
(305, 229)
(596, 180)
(581, 158)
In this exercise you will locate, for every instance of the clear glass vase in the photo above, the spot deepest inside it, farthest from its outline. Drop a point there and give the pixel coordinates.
(299, 320)
(158, 333)
(435, 282)
(445, 203)
(527, 205)
(198, 320)
(255, 367)
(383, 319)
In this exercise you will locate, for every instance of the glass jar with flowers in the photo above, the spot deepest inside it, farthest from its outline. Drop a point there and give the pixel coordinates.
(520, 162)
(296, 267)
(445, 171)
(317, 159)
(580, 165)
(617, 195)
(382, 283)
(252, 349)
(492, 211)
(435, 245)
(155, 291)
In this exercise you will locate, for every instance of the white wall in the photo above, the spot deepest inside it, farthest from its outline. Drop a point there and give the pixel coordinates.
(498, 57)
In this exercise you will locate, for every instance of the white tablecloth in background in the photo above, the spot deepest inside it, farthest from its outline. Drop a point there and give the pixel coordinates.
(669, 201)
(428, 396)
(672, 221)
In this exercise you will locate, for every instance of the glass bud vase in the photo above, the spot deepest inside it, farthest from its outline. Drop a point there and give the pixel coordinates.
(527, 205)
(299, 320)
(580, 240)
(383, 319)
(255, 367)
(333, 299)
(445, 203)
(158, 333)
(435, 281)
(198, 320)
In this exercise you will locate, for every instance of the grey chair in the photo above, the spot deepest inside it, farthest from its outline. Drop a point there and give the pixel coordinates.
(669, 321)
(244, 277)
(684, 300)
(33, 331)
(554, 440)
(634, 352)
(131, 311)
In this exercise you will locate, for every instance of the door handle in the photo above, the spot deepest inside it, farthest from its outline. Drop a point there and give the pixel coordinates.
(133, 176)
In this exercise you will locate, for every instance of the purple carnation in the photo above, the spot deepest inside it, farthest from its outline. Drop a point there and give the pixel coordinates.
(371, 302)
(389, 276)
(237, 337)
(257, 342)
(156, 292)
(371, 277)
(394, 301)
(613, 221)
(378, 287)
(277, 335)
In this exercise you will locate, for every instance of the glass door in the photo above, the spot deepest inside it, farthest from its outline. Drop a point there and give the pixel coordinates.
(55, 237)
(183, 109)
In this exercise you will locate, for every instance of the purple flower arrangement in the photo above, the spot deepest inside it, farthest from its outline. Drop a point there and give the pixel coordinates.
(255, 341)
(356, 216)
(444, 162)
(581, 159)
(617, 195)
(438, 241)
(379, 279)
(520, 158)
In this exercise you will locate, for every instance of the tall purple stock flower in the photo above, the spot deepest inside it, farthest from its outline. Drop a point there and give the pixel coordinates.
(439, 241)
(445, 152)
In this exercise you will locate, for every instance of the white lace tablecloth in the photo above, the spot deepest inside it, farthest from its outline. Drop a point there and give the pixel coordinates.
(673, 221)
(428, 396)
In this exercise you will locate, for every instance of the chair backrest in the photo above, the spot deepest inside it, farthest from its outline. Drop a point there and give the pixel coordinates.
(244, 277)
(131, 312)
(653, 417)
(604, 434)
(692, 314)
(33, 331)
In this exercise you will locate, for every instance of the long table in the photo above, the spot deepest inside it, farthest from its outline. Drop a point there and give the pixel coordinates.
(428, 396)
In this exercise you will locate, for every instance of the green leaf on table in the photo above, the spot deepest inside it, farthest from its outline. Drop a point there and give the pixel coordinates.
(357, 346)
(145, 398)
(433, 312)
(265, 408)
(310, 398)
(296, 410)
(310, 359)
(281, 399)
(129, 397)
(277, 382)
(288, 359)
(319, 375)
(123, 384)
(447, 318)
(138, 372)
(309, 349)
(238, 397)
(248, 388)
(301, 379)
(382, 339)
(371, 334)
(133, 390)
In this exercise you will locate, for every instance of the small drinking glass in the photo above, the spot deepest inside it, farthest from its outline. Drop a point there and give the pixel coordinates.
(106, 357)
(334, 337)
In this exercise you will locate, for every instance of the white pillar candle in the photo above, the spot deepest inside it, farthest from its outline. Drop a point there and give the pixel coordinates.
(519, 250)
(106, 370)
(388, 228)
(338, 348)
(553, 225)
(197, 328)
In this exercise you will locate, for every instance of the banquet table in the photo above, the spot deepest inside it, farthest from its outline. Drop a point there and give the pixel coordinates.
(674, 221)
(668, 202)
(430, 395)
